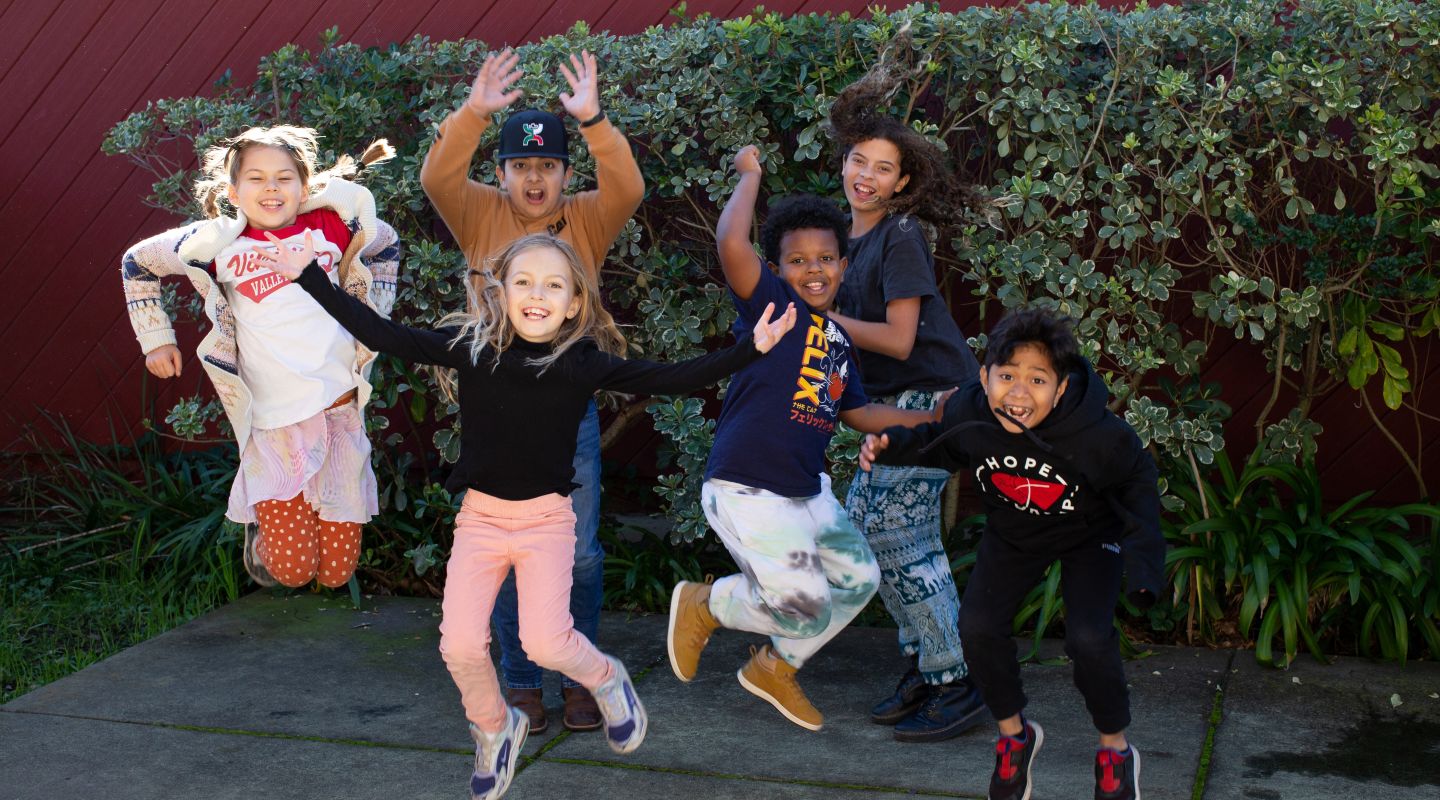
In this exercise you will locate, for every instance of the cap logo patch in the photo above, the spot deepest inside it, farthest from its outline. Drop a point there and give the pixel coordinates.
(532, 134)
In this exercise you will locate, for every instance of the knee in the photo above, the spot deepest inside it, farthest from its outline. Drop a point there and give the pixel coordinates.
(804, 616)
(458, 649)
(1090, 642)
(294, 579)
(977, 627)
(545, 649)
(865, 579)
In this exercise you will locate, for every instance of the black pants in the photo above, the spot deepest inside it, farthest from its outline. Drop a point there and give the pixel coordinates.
(1090, 584)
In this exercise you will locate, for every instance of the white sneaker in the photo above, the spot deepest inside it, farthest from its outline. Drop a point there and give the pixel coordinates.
(625, 718)
(497, 754)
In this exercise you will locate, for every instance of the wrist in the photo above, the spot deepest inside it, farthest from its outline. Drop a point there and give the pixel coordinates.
(588, 119)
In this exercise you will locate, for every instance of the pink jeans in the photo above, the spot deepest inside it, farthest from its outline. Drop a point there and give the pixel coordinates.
(537, 537)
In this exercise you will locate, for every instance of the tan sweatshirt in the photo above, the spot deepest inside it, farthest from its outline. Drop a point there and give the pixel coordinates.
(484, 221)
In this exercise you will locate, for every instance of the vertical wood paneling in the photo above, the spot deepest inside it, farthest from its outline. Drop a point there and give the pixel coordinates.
(70, 69)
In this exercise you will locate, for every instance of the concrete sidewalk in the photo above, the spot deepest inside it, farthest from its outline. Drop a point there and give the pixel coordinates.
(304, 697)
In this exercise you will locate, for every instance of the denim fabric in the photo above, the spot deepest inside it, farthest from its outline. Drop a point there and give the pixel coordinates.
(586, 592)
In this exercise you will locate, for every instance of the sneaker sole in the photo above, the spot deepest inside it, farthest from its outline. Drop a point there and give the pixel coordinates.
(1030, 772)
(764, 695)
(670, 632)
(955, 728)
(1136, 755)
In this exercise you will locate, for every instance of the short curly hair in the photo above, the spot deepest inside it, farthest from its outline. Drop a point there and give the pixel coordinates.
(802, 212)
(1041, 328)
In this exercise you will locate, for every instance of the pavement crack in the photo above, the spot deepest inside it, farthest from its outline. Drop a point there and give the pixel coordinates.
(1212, 728)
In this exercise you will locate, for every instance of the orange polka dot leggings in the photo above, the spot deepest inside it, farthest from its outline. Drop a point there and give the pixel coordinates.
(297, 546)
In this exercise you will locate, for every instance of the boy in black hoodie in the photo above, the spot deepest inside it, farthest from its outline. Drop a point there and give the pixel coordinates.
(1062, 477)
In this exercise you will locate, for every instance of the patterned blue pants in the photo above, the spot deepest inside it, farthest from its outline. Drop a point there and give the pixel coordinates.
(898, 510)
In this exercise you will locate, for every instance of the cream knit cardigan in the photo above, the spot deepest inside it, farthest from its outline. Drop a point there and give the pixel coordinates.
(190, 249)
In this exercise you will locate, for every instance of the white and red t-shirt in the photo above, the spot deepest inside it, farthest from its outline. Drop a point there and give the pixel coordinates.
(295, 357)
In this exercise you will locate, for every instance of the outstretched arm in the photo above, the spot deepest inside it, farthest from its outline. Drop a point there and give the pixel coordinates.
(895, 337)
(374, 331)
(732, 233)
(446, 171)
(876, 417)
(650, 377)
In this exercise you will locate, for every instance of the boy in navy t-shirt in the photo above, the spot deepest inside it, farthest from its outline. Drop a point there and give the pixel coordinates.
(805, 570)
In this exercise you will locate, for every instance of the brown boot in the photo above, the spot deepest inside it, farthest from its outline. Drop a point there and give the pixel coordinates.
(690, 627)
(581, 712)
(532, 702)
(768, 676)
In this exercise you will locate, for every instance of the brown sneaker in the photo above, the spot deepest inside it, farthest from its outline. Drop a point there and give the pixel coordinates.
(769, 677)
(532, 702)
(690, 627)
(581, 712)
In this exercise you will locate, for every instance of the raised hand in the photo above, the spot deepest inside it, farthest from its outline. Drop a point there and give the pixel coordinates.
(488, 93)
(747, 161)
(283, 260)
(583, 100)
(870, 449)
(164, 361)
(767, 333)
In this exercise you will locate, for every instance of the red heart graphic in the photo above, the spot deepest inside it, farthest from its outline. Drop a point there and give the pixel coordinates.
(1028, 491)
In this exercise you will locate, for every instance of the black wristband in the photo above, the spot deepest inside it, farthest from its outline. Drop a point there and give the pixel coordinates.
(594, 120)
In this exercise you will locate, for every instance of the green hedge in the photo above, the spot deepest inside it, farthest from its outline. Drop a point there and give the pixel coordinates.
(1173, 176)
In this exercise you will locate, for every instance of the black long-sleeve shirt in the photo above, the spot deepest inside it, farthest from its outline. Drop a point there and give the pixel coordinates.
(518, 426)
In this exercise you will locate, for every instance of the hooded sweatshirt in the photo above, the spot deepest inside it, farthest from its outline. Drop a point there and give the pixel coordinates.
(1081, 475)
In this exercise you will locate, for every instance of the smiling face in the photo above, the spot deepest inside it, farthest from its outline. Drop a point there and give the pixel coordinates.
(871, 174)
(1025, 386)
(811, 263)
(267, 187)
(536, 184)
(540, 293)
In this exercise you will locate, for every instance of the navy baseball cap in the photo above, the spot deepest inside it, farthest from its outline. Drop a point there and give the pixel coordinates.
(533, 133)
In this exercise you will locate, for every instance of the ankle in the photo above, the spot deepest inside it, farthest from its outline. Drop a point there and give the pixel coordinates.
(1114, 741)
(1014, 727)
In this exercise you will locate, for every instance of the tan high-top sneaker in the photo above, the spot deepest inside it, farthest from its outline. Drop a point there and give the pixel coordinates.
(767, 676)
(690, 627)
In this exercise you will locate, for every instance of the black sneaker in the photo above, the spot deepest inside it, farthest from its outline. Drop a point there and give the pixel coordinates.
(1012, 779)
(1117, 774)
(948, 711)
(910, 694)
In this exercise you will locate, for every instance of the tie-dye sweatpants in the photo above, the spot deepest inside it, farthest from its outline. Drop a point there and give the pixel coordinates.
(805, 572)
(898, 510)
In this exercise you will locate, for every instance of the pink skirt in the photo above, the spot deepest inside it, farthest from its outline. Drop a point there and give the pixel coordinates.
(326, 458)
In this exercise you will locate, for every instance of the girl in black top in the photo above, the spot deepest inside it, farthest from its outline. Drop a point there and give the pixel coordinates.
(527, 358)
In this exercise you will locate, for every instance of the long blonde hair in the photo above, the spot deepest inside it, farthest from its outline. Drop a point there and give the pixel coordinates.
(486, 325)
(220, 166)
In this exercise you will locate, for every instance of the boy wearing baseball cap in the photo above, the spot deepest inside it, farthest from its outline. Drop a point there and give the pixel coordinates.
(533, 170)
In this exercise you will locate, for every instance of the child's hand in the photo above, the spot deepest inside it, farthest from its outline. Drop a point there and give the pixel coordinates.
(164, 361)
(768, 333)
(938, 413)
(747, 161)
(871, 447)
(488, 93)
(283, 260)
(583, 99)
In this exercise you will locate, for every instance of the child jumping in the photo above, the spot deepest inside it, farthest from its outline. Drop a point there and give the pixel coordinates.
(532, 170)
(293, 383)
(910, 352)
(533, 348)
(805, 570)
(1062, 477)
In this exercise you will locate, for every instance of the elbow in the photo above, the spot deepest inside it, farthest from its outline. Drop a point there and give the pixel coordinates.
(903, 352)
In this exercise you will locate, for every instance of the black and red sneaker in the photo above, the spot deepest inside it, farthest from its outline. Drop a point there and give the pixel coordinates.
(1117, 774)
(1014, 755)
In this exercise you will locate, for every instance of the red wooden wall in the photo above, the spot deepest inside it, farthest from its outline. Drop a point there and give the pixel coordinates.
(70, 69)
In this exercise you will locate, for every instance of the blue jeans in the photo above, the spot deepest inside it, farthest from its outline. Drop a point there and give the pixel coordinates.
(586, 592)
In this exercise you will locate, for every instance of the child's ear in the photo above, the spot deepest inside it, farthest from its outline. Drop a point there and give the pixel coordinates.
(900, 184)
(569, 174)
(844, 265)
(574, 307)
(232, 195)
(1060, 391)
(773, 268)
(500, 172)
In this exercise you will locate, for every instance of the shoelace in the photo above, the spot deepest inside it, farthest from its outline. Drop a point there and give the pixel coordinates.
(1108, 760)
(1007, 746)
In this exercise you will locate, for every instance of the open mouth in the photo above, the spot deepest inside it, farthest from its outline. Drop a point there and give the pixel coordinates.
(272, 205)
(814, 288)
(862, 192)
(534, 314)
(1018, 413)
(535, 197)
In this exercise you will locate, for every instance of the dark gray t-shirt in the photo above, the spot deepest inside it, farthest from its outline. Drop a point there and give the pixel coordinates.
(893, 262)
